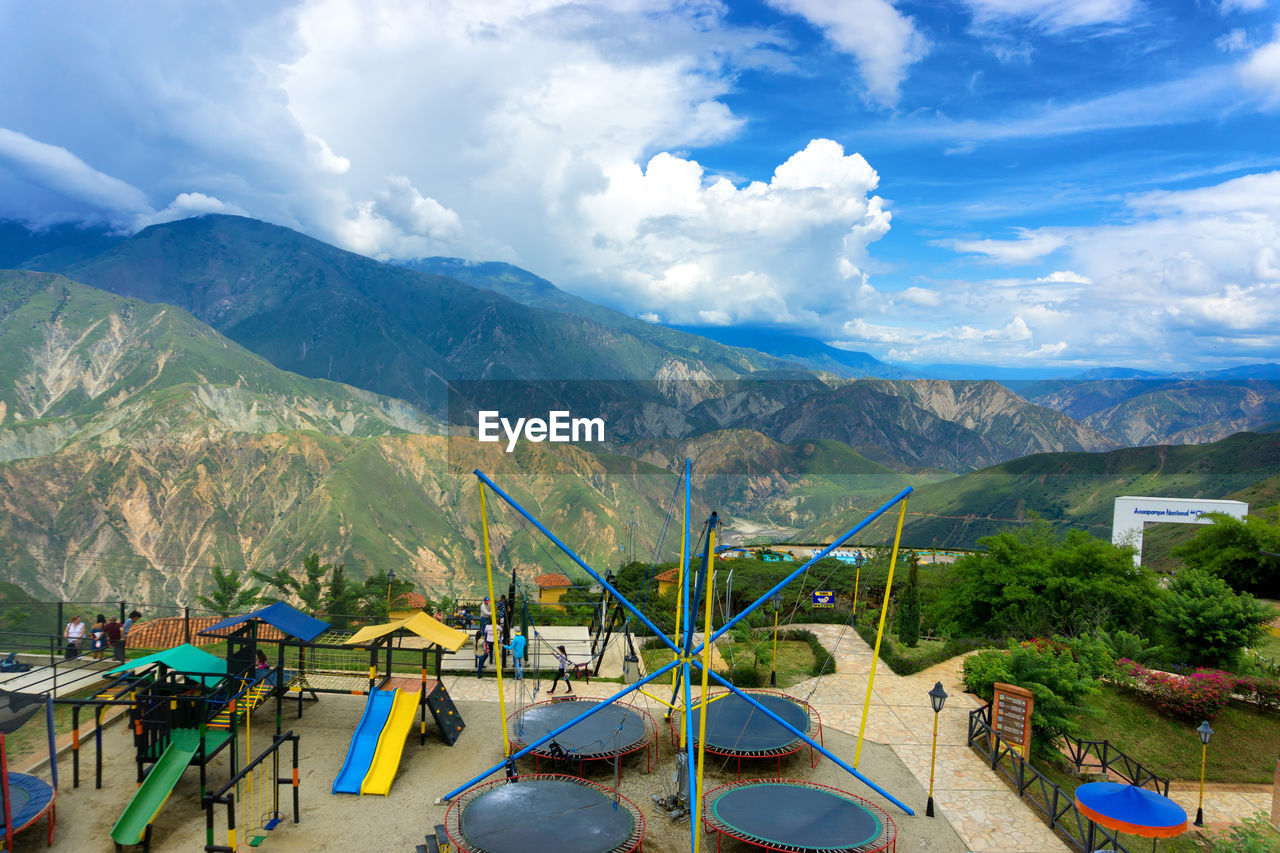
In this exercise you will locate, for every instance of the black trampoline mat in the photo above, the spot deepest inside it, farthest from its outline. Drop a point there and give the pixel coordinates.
(796, 816)
(599, 734)
(545, 815)
(734, 725)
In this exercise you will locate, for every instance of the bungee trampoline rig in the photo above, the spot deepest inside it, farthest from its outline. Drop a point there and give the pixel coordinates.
(521, 810)
(736, 730)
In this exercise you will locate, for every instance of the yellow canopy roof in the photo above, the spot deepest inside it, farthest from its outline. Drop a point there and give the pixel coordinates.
(419, 623)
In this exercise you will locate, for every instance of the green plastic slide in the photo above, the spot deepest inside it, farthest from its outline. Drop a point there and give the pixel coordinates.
(156, 787)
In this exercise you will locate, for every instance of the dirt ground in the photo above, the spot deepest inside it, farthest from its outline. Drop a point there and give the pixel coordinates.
(399, 821)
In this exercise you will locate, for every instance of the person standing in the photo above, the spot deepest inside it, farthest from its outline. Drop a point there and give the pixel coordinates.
(134, 616)
(562, 660)
(481, 651)
(484, 610)
(518, 643)
(115, 636)
(74, 635)
(98, 636)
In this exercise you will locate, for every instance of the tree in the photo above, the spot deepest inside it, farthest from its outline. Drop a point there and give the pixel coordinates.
(1031, 583)
(229, 594)
(909, 606)
(341, 598)
(1208, 622)
(378, 594)
(1234, 551)
(309, 591)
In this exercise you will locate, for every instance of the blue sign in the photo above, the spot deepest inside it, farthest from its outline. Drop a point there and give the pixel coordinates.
(823, 598)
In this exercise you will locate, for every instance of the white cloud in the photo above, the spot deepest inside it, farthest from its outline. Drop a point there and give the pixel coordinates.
(54, 168)
(1229, 6)
(1232, 42)
(1055, 15)
(884, 42)
(186, 205)
(782, 251)
(1028, 247)
(1261, 70)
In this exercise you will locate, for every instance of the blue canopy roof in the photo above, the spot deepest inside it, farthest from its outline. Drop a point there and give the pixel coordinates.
(1131, 809)
(281, 616)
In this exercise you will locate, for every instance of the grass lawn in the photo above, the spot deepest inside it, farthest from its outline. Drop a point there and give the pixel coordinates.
(794, 658)
(1243, 748)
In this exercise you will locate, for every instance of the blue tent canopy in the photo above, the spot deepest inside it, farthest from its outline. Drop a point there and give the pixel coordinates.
(281, 616)
(1131, 809)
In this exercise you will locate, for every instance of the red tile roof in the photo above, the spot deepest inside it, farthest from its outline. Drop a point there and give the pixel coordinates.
(554, 579)
(409, 601)
(669, 576)
(169, 631)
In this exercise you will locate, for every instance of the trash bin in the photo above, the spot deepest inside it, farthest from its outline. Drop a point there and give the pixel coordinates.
(630, 669)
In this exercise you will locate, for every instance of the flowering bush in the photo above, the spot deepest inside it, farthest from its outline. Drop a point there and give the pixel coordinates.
(1265, 692)
(1199, 695)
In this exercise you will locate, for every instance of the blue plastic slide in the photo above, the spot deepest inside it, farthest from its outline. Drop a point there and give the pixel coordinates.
(364, 743)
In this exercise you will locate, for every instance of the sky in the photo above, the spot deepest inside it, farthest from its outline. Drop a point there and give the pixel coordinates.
(1015, 183)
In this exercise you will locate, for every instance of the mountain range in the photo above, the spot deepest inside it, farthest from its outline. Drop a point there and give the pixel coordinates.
(222, 390)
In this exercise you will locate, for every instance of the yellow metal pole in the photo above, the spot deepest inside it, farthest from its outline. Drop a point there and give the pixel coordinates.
(857, 575)
(706, 668)
(884, 611)
(493, 616)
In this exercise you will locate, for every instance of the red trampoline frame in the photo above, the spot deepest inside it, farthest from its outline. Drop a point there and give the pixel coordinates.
(888, 840)
(453, 816)
(814, 732)
(647, 743)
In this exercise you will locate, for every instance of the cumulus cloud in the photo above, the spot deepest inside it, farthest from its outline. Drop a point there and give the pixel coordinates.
(883, 41)
(1229, 6)
(1028, 246)
(186, 205)
(782, 251)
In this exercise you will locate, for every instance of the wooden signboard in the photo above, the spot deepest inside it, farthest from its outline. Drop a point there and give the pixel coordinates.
(1011, 716)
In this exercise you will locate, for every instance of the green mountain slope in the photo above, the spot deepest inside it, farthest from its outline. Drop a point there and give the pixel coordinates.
(81, 367)
(1076, 489)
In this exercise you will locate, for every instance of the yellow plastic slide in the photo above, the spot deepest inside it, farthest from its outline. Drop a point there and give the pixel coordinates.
(386, 757)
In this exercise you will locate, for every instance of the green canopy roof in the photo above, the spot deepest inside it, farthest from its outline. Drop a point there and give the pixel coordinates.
(184, 659)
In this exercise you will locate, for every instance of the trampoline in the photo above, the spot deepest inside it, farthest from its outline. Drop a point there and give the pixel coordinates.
(30, 798)
(615, 731)
(557, 814)
(737, 729)
(797, 817)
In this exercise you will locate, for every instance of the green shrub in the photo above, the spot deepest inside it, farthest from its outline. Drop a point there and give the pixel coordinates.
(823, 662)
(909, 607)
(744, 674)
(1055, 675)
(1207, 622)
(1252, 835)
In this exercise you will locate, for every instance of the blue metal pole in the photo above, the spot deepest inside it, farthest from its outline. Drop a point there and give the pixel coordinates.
(695, 796)
(688, 514)
(565, 548)
(549, 735)
(762, 709)
(901, 496)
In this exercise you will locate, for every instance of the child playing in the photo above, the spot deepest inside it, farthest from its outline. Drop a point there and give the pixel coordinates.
(562, 660)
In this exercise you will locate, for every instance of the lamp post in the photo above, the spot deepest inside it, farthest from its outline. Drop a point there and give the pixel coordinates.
(937, 698)
(1205, 731)
(391, 578)
(776, 603)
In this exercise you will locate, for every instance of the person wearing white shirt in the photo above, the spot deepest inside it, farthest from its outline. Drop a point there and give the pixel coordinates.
(74, 635)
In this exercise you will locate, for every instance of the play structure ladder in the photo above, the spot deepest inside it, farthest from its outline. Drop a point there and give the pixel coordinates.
(446, 715)
(252, 698)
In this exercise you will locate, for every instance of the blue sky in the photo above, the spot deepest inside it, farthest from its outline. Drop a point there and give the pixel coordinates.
(1019, 183)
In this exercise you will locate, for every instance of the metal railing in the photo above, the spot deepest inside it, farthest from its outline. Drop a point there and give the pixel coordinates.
(1056, 806)
(1111, 760)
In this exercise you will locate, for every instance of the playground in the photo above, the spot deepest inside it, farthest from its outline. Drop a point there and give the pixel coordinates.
(307, 738)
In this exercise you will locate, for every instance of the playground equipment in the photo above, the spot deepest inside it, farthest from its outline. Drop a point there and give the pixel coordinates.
(27, 798)
(544, 812)
(225, 796)
(378, 743)
(736, 729)
(797, 816)
(607, 736)
(689, 656)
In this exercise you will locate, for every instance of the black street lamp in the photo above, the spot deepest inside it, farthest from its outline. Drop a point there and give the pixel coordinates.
(1205, 731)
(937, 698)
(391, 578)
